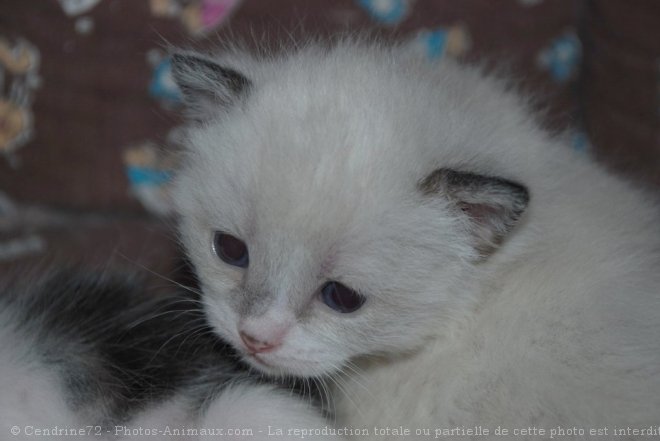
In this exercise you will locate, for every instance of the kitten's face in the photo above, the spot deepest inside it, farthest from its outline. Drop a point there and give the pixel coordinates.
(315, 238)
(306, 218)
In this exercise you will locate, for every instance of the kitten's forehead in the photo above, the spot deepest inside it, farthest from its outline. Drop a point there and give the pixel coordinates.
(325, 133)
(325, 144)
(304, 163)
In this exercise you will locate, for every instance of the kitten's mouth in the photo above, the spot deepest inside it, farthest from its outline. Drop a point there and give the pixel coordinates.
(261, 361)
(267, 367)
(278, 366)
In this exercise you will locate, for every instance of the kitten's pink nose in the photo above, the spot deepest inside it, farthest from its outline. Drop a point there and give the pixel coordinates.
(263, 333)
(254, 345)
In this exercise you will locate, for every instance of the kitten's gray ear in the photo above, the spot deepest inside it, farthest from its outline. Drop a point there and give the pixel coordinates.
(206, 85)
(491, 205)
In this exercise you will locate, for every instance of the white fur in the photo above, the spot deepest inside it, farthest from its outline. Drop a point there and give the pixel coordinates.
(265, 413)
(316, 169)
(30, 396)
(241, 411)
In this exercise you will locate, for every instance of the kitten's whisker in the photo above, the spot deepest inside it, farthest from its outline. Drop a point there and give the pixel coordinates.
(345, 393)
(355, 376)
(307, 390)
(143, 320)
(150, 271)
(198, 332)
(329, 402)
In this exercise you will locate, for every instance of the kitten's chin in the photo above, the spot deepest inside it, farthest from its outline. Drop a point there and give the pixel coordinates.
(278, 366)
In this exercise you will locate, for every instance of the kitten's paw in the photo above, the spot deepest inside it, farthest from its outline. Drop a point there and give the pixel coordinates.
(264, 413)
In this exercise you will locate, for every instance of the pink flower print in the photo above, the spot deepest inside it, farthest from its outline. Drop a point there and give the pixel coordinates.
(214, 12)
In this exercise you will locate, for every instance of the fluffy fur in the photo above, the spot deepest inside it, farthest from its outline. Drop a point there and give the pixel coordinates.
(508, 280)
(96, 355)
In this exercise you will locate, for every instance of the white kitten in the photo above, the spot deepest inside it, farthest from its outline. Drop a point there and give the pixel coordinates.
(354, 208)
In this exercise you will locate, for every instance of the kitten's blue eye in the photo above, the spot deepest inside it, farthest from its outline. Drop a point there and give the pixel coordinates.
(230, 249)
(341, 298)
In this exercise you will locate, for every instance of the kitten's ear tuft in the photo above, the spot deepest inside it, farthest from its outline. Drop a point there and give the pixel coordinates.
(491, 205)
(206, 85)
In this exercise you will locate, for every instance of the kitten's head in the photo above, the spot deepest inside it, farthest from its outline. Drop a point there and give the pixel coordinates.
(317, 209)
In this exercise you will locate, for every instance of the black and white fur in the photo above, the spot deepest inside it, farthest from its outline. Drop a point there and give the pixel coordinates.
(86, 351)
